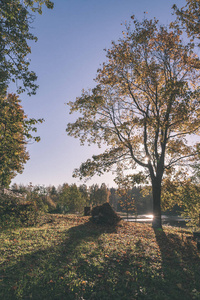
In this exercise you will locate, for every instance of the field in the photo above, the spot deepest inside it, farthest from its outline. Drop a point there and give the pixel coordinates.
(68, 257)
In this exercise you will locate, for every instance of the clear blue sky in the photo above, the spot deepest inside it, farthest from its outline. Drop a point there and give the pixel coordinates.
(71, 39)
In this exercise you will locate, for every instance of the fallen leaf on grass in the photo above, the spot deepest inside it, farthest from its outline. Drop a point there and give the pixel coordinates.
(179, 285)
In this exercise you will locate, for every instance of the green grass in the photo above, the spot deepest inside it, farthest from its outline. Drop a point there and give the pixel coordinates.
(67, 257)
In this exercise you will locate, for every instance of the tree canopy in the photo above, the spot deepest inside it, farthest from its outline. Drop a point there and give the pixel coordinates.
(16, 17)
(144, 106)
(189, 17)
(15, 132)
(15, 23)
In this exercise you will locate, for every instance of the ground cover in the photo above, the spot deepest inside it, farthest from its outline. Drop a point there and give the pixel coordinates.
(68, 257)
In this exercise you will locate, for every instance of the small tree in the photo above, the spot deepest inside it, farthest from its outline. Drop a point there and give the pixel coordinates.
(75, 199)
(145, 105)
(125, 186)
(15, 132)
(189, 199)
(185, 192)
(126, 201)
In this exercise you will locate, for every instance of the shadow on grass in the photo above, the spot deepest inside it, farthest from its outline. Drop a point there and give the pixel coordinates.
(180, 266)
(81, 266)
(51, 272)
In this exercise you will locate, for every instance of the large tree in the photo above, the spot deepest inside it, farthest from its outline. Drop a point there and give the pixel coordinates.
(145, 105)
(15, 132)
(16, 17)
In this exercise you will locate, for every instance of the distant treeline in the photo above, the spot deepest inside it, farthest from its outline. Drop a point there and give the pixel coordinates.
(72, 198)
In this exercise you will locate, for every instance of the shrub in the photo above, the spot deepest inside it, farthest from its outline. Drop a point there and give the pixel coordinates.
(15, 212)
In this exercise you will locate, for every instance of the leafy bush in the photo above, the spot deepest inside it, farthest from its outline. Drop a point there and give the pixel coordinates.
(15, 212)
(185, 194)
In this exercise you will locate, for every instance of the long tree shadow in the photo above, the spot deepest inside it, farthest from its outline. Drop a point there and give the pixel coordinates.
(78, 267)
(176, 256)
(50, 272)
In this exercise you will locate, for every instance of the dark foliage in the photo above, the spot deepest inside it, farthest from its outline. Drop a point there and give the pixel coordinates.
(14, 212)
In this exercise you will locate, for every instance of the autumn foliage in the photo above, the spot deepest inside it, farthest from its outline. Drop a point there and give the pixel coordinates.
(15, 132)
(144, 106)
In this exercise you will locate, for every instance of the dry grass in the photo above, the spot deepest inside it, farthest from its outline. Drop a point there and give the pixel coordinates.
(68, 257)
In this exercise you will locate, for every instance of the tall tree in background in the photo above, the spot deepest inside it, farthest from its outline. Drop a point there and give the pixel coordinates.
(125, 186)
(71, 199)
(145, 105)
(15, 22)
(15, 132)
(124, 190)
(99, 195)
(84, 193)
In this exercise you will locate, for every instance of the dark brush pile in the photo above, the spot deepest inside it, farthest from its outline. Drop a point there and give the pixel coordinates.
(105, 215)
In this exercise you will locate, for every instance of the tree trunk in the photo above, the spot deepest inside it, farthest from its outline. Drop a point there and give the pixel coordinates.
(156, 189)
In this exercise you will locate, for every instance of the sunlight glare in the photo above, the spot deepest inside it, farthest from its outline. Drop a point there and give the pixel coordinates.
(149, 216)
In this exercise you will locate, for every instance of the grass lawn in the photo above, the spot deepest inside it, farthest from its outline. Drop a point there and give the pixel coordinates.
(67, 257)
